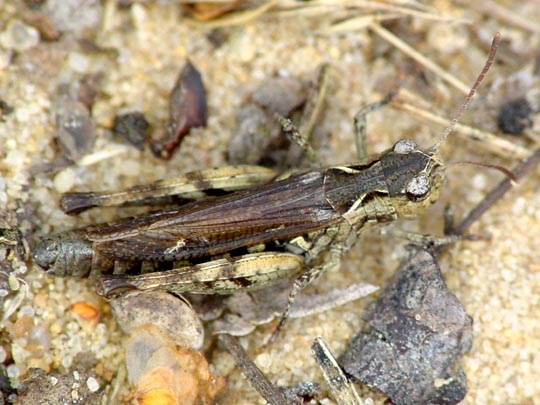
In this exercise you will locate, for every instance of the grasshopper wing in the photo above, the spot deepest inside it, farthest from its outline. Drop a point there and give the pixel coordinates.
(280, 210)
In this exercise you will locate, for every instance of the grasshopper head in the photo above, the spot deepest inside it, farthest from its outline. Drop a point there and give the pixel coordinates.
(64, 254)
(413, 177)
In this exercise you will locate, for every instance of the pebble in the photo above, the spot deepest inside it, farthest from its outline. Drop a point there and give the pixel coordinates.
(169, 313)
(74, 16)
(79, 62)
(5, 58)
(19, 36)
(264, 361)
(64, 180)
(3, 354)
(445, 39)
(41, 336)
(162, 373)
(133, 127)
(92, 384)
(13, 371)
(76, 132)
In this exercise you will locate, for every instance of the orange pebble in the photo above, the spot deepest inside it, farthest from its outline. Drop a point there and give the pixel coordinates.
(158, 397)
(85, 310)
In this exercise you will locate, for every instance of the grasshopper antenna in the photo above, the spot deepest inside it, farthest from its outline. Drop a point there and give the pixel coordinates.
(508, 173)
(468, 99)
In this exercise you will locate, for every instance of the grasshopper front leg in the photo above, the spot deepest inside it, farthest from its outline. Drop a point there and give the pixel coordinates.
(336, 241)
(360, 123)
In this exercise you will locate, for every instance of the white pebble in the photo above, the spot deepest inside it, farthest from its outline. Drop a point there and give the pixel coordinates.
(78, 62)
(64, 180)
(5, 58)
(264, 361)
(19, 36)
(13, 371)
(446, 39)
(519, 206)
(479, 182)
(67, 361)
(14, 158)
(13, 282)
(129, 167)
(26, 310)
(92, 384)
(22, 115)
(139, 16)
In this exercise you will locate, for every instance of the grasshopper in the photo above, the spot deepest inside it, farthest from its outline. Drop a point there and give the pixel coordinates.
(305, 222)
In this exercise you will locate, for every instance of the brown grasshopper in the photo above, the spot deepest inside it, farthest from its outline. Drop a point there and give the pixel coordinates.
(304, 222)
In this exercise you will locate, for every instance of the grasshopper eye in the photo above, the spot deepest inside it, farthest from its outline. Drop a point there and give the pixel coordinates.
(418, 188)
(405, 146)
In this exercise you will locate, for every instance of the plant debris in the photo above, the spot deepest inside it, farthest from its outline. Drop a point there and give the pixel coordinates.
(5, 109)
(515, 116)
(243, 312)
(341, 387)
(204, 11)
(255, 376)
(42, 23)
(417, 332)
(187, 109)
(133, 127)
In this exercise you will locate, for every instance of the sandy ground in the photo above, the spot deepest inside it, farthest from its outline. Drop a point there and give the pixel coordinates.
(138, 51)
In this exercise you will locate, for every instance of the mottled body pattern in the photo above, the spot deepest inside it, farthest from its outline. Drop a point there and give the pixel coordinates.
(314, 216)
